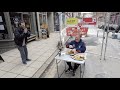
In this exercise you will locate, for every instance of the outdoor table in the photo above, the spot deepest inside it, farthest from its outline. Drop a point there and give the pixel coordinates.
(64, 57)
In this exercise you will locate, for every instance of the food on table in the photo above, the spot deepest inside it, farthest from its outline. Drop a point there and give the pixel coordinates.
(78, 57)
(70, 52)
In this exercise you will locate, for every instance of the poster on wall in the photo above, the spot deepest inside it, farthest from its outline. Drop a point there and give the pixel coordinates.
(72, 31)
(1, 19)
(72, 21)
(2, 27)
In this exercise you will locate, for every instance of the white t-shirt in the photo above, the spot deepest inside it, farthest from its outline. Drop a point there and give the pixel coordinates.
(25, 31)
(23, 42)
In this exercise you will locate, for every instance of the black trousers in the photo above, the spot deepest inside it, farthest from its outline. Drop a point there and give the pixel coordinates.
(75, 66)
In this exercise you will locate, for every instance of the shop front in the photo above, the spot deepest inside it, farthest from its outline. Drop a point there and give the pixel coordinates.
(16, 17)
(3, 29)
(42, 22)
(8, 23)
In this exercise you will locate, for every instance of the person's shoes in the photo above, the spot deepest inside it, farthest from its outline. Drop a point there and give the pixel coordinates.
(24, 63)
(68, 70)
(73, 74)
(28, 59)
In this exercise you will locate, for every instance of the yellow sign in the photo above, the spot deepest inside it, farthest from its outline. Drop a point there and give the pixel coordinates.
(72, 21)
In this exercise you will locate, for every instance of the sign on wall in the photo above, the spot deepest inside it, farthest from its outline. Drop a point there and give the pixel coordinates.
(89, 21)
(72, 31)
(72, 21)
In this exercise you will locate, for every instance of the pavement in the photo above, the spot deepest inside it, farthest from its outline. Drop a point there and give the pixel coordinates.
(39, 52)
(95, 68)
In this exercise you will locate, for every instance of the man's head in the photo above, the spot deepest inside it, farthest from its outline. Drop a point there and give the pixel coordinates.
(22, 24)
(78, 37)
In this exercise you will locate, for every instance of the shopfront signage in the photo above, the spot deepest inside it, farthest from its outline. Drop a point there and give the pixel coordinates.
(72, 21)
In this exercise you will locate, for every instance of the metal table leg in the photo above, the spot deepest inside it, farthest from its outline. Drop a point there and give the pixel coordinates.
(83, 69)
(59, 75)
(57, 68)
(80, 71)
(65, 65)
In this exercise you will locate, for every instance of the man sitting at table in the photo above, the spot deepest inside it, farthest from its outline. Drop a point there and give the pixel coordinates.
(77, 46)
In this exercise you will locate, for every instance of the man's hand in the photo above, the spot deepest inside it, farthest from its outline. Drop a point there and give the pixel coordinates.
(70, 46)
(78, 51)
(25, 30)
(74, 50)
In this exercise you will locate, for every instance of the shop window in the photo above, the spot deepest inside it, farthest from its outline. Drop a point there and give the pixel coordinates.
(44, 12)
(3, 28)
(17, 17)
(63, 21)
(40, 19)
(44, 19)
(26, 19)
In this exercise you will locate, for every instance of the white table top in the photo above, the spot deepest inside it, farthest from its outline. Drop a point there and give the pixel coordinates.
(68, 58)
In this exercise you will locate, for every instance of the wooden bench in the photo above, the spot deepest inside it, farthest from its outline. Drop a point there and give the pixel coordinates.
(31, 38)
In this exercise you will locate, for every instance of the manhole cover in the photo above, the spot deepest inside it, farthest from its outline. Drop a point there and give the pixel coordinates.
(101, 75)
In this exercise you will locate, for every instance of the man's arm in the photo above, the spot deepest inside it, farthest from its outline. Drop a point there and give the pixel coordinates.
(71, 43)
(28, 33)
(18, 35)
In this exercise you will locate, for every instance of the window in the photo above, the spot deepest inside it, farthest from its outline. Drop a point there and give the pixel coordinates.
(40, 17)
(44, 18)
(63, 20)
(44, 12)
(26, 19)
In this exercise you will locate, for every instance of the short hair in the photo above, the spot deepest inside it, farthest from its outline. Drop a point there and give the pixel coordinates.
(19, 23)
(79, 34)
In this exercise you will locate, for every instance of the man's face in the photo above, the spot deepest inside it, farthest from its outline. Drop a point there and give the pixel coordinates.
(77, 38)
(22, 25)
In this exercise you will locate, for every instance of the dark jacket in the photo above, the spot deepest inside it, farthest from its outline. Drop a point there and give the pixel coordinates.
(79, 46)
(20, 35)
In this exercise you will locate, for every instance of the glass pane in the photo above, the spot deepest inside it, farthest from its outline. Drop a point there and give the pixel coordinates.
(27, 21)
(63, 21)
(44, 18)
(44, 12)
(40, 17)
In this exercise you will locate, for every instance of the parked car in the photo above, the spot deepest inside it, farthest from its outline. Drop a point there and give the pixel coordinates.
(112, 27)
